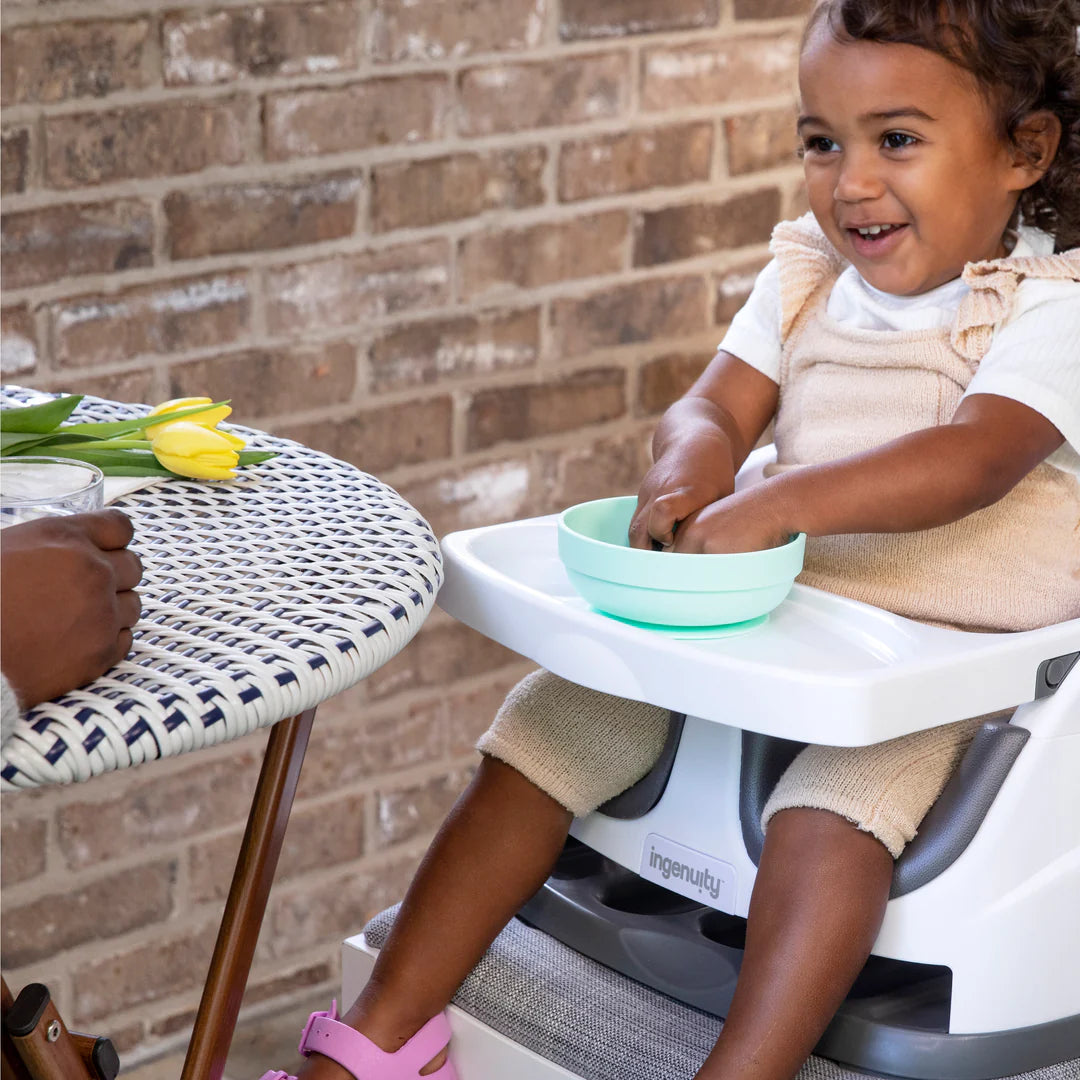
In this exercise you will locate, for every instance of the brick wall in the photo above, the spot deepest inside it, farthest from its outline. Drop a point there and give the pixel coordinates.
(472, 247)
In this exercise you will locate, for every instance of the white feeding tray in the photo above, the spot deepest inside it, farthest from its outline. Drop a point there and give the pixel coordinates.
(822, 668)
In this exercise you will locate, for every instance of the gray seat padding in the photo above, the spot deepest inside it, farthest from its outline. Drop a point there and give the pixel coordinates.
(946, 830)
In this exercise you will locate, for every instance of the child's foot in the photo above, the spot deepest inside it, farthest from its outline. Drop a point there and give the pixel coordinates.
(336, 1050)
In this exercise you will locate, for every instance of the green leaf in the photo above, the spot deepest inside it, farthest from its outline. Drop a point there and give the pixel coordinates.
(111, 428)
(39, 419)
(20, 442)
(256, 457)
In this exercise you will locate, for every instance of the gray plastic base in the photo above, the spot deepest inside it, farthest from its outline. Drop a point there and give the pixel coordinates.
(894, 1022)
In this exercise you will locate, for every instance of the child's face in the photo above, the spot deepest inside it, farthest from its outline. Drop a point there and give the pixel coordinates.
(897, 137)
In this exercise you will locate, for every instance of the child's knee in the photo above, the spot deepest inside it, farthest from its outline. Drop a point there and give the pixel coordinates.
(885, 789)
(580, 746)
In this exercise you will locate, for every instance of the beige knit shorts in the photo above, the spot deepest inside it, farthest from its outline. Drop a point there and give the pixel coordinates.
(583, 748)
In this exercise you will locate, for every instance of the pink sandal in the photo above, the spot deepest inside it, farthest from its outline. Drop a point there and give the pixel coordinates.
(325, 1034)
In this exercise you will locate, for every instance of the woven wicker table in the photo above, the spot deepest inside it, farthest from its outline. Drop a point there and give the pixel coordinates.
(262, 597)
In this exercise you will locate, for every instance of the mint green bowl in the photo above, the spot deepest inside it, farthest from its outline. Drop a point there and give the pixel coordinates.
(670, 590)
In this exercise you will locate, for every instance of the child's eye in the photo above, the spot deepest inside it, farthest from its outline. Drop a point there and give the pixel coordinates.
(898, 140)
(817, 144)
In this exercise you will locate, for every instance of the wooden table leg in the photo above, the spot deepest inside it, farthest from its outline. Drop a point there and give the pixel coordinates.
(244, 908)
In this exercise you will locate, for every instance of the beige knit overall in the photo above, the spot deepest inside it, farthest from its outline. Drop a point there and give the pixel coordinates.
(1014, 565)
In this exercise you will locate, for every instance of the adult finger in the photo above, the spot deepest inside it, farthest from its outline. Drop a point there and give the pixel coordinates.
(128, 608)
(127, 568)
(108, 529)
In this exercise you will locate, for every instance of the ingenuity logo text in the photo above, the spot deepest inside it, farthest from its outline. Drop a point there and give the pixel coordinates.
(689, 872)
(700, 876)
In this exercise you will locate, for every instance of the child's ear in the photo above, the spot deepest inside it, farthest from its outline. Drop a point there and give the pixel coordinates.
(1034, 146)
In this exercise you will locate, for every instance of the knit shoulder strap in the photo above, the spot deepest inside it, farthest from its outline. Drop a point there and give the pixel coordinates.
(993, 286)
(804, 259)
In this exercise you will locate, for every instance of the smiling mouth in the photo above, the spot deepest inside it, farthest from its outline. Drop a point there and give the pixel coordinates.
(868, 232)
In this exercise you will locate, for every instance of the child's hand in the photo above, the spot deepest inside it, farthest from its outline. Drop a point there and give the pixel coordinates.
(748, 521)
(687, 477)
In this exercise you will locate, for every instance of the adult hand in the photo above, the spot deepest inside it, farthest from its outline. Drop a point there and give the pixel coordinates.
(688, 476)
(67, 601)
(749, 521)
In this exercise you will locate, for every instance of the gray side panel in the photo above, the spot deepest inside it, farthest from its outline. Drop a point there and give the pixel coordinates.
(952, 822)
(638, 799)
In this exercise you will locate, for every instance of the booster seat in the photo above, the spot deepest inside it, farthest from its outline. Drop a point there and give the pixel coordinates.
(976, 970)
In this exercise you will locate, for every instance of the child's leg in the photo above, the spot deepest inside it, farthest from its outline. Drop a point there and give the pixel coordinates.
(821, 890)
(492, 853)
(497, 846)
(818, 901)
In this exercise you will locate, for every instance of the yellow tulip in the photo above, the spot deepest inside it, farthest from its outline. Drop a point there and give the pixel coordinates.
(210, 418)
(189, 449)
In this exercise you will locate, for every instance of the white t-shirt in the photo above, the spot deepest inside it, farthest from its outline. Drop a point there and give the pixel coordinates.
(1034, 357)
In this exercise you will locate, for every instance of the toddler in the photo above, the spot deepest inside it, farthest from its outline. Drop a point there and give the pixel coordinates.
(917, 340)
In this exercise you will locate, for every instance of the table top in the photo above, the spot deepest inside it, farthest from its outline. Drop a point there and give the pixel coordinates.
(261, 596)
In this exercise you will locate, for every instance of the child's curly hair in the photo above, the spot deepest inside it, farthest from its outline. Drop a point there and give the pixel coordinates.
(1023, 53)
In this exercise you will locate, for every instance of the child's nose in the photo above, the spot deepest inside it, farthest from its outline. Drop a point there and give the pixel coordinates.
(859, 178)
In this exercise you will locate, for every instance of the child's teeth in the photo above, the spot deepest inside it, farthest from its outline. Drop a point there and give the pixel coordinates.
(873, 230)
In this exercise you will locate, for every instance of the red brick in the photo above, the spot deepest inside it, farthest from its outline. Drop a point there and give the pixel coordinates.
(626, 314)
(138, 976)
(571, 90)
(63, 241)
(434, 30)
(22, 853)
(635, 161)
(761, 140)
(411, 194)
(666, 378)
(530, 411)
(14, 160)
(105, 908)
(82, 149)
(771, 9)
(544, 254)
(321, 909)
(377, 440)
(439, 656)
(159, 810)
(271, 381)
(686, 232)
(166, 317)
(408, 813)
(18, 342)
(601, 469)
(259, 216)
(714, 72)
(469, 496)
(51, 62)
(257, 989)
(616, 18)
(377, 112)
(317, 837)
(471, 711)
(134, 386)
(357, 742)
(470, 346)
(259, 42)
(354, 289)
(733, 288)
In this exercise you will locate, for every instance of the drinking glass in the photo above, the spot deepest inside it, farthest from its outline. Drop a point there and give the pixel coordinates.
(35, 486)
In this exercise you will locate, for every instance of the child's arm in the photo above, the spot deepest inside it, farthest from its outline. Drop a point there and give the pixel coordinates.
(929, 478)
(699, 445)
